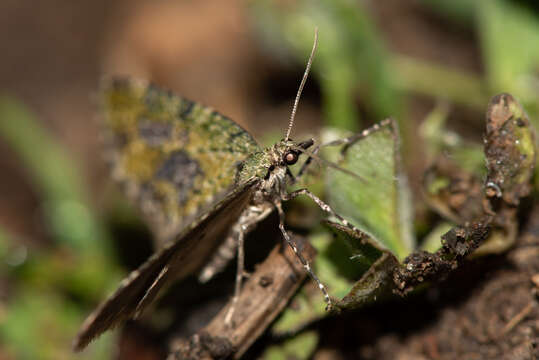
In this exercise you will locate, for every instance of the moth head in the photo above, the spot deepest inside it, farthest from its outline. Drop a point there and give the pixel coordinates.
(286, 153)
(292, 151)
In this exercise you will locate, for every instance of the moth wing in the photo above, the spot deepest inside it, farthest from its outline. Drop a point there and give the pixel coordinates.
(177, 259)
(175, 158)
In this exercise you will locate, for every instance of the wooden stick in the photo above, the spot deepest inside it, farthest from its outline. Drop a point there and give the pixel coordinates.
(264, 295)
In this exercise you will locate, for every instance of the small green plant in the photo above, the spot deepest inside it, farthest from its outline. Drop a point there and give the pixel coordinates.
(479, 213)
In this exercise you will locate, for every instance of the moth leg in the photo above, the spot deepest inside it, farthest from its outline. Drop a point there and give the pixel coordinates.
(291, 176)
(221, 258)
(322, 205)
(306, 164)
(239, 276)
(345, 141)
(352, 139)
(228, 249)
(248, 220)
(304, 262)
(325, 207)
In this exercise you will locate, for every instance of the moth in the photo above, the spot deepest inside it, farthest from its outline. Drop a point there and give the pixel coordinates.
(199, 178)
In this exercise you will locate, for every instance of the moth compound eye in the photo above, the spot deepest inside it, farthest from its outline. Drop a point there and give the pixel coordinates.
(290, 158)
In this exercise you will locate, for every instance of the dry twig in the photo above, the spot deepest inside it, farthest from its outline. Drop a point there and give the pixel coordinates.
(263, 297)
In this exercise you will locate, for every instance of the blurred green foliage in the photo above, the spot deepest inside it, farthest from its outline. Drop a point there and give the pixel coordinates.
(351, 55)
(52, 288)
(354, 63)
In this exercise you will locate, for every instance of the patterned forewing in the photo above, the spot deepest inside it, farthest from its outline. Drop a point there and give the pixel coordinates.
(177, 259)
(176, 158)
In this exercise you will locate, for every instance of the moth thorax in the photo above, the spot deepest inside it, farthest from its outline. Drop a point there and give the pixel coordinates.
(275, 184)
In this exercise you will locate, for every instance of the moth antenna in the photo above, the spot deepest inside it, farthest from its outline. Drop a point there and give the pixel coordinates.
(302, 84)
(329, 163)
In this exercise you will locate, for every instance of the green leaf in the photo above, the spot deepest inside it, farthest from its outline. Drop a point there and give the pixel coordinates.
(359, 272)
(377, 264)
(432, 242)
(299, 347)
(379, 203)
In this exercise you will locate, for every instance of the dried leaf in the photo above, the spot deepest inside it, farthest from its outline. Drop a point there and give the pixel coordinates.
(509, 149)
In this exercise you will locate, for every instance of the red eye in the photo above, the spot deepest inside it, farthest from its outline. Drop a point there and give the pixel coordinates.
(290, 158)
